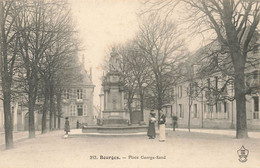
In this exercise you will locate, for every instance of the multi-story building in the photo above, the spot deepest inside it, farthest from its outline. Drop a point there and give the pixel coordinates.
(77, 105)
(78, 100)
(212, 103)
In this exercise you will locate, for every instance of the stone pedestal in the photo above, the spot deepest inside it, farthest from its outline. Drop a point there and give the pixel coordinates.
(114, 112)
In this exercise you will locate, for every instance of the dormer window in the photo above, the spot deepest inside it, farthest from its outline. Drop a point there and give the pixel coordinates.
(67, 94)
(79, 93)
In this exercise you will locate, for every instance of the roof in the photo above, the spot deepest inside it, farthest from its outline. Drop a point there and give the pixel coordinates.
(84, 78)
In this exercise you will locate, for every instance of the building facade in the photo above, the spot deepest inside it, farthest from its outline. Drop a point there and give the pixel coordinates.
(212, 103)
(209, 113)
(77, 102)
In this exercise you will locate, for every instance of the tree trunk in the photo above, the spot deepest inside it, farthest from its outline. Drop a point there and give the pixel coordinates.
(130, 111)
(59, 121)
(31, 110)
(189, 113)
(6, 83)
(58, 95)
(241, 122)
(141, 100)
(51, 107)
(238, 60)
(8, 121)
(54, 116)
(44, 111)
(159, 107)
(142, 106)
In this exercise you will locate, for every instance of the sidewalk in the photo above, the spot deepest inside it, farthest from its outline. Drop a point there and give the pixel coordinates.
(229, 132)
(20, 136)
(251, 134)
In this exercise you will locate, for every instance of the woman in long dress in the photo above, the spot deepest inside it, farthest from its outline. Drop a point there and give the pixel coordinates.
(162, 126)
(151, 127)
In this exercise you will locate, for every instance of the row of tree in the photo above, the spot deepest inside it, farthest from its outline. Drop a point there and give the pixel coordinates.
(38, 57)
(150, 61)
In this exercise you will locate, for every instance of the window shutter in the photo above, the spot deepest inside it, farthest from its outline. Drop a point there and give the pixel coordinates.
(85, 110)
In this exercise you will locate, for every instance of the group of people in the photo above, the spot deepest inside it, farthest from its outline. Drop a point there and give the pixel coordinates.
(151, 127)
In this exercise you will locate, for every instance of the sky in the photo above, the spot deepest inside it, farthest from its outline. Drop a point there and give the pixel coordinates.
(102, 24)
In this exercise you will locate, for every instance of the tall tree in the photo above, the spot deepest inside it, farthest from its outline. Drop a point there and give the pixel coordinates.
(9, 42)
(160, 42)
(235, 24)
(58, 61)
(140, 70)
(40, 29)
(126, 72)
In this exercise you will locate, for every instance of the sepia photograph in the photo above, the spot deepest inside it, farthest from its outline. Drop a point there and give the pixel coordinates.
(129, 84)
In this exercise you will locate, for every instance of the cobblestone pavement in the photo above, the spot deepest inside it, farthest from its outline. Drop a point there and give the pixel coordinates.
(181, 149)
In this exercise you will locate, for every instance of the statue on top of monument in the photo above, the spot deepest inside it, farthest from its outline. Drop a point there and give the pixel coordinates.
(114, 61)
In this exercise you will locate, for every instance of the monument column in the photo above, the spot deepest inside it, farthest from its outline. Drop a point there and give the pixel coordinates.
(114, 112)
(105, 102)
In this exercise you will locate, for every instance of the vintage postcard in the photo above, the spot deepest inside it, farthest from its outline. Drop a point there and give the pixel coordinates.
(129, 83)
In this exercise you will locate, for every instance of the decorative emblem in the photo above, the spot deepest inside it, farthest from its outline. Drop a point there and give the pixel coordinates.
(242, 153)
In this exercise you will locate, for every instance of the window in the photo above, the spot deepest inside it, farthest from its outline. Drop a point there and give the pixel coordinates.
(195, 110)
(80, 110)
(216, 82)
(180, 91)
(205, 108)
(72, 110)
(218, 108)
(79, 93)
(256, 107)
(181, 111)
(225, 107)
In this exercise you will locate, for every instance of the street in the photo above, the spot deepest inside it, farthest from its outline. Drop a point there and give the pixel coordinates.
(181, 149)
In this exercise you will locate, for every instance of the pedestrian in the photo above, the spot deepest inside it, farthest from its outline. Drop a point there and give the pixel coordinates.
(67, 126)
(174, 122)
(162, 126)
(151, 127)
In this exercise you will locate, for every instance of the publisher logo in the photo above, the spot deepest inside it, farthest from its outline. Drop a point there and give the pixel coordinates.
(242, 154)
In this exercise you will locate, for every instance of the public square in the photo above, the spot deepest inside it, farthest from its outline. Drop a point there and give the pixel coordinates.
(108, 71)
(199, 148)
